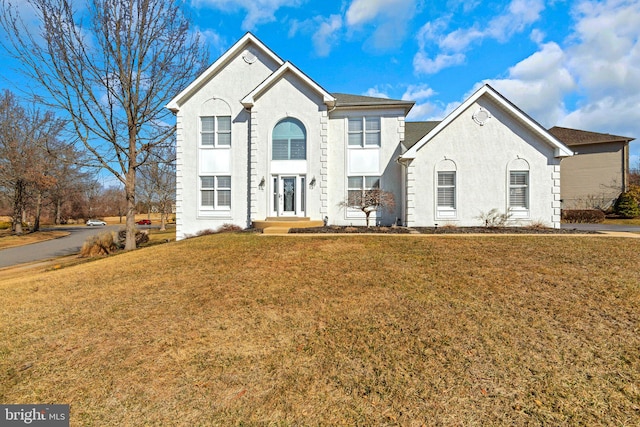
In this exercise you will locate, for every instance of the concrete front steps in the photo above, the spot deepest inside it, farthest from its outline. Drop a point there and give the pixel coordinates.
(281, 225)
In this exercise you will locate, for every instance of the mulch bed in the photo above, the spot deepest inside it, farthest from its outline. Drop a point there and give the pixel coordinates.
(334, 229)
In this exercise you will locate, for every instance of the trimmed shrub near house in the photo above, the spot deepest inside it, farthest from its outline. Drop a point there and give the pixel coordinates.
(627, 206)
(587, 216)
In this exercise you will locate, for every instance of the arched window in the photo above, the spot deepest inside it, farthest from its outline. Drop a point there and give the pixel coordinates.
(289, 140)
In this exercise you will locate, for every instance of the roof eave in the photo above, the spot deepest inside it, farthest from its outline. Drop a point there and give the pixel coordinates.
(249, 100)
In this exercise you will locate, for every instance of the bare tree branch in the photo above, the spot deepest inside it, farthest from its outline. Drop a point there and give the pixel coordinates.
(111, 68)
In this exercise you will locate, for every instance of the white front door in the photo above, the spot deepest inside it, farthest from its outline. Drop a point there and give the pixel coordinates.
(288, 195)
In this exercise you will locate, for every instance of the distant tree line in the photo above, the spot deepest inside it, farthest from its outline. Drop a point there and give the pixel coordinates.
(45, 179)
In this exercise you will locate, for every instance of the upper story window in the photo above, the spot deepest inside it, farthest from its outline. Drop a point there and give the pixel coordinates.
(289, 140)
(364, 132)
(215, 131)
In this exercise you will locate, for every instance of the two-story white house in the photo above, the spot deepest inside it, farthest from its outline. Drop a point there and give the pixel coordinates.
(258, 139)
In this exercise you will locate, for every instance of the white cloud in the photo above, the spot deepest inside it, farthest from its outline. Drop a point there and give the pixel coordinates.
(593, 82)
(388, 18)
(539, 84)
(421, 110)
(422, 64)
(364, 11)
(451, 46)
(258, 11)
(418, 92)
(327, 34)
(376, 93)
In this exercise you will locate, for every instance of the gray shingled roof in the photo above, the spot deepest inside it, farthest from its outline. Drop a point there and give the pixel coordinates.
(582, 137)
(347, 100)
(414, 131)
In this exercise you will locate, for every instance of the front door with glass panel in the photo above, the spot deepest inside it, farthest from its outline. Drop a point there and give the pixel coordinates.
(288, 195)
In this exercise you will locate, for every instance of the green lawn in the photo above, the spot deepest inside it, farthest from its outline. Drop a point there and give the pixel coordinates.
(240, 329)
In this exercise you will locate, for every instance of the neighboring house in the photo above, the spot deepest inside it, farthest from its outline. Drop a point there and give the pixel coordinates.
(598, 172)
(259, 139)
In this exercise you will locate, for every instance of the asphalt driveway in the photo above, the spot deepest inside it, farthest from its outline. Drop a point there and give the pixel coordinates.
(602, 227)
(55, 248)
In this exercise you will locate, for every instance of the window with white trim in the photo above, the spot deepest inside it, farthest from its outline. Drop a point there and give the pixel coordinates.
(519, 190)
(447, 190)
(215, 131)
(215, 192)
(289, 140)
(364, 132)
(358, 184)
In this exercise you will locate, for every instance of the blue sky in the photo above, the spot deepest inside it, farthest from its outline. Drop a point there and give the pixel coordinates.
(565, 63)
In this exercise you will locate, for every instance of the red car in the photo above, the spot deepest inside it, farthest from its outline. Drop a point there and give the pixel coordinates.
(144, 222)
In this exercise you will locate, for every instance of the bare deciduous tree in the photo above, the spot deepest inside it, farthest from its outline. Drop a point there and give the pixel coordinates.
(370, 200)
(158, 182)
(111, 66)
(26, 137)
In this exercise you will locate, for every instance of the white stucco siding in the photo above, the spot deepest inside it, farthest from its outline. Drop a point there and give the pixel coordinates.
(289, 97)
(228, 86)
(344, 161)
(481, 157)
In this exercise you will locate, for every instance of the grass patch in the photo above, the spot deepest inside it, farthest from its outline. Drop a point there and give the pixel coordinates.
(238, 329)
(7, 240)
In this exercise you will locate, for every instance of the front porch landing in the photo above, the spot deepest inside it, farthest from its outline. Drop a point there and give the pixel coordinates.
(281, 225)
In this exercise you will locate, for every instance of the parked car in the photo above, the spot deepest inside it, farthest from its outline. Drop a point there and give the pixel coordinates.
(144, 222)
(95, 222)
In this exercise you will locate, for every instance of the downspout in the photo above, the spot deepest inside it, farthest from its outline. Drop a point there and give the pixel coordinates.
(405, 170)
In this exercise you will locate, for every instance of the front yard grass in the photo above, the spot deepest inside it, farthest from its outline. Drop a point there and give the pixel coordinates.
(239, 329)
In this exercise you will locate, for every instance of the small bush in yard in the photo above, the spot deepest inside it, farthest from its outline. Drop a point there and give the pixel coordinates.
(141, 237)
(229, 228)
(494, 218)
(627, 206)
(587, 216)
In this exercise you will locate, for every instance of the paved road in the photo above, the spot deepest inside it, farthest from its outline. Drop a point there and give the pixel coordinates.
(63, 246)
(603, 227)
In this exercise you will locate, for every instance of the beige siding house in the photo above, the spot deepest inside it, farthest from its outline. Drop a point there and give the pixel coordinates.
(597, 172)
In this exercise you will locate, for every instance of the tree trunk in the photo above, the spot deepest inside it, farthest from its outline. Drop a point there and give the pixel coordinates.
(58, 209)
(36, 223)
(18, 202)
(163, 220)
(130, 194)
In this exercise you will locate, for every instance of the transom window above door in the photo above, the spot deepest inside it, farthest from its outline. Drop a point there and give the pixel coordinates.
(289, 140)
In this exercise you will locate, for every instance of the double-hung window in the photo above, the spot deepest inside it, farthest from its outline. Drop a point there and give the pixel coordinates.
(519, 190)
(215, 131)
(215, 192)
(364, 132)
(446, 194)
(357, 185)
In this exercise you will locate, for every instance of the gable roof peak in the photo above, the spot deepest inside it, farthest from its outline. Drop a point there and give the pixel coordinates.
(560, 149)
(287, 66)
(237, 47)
